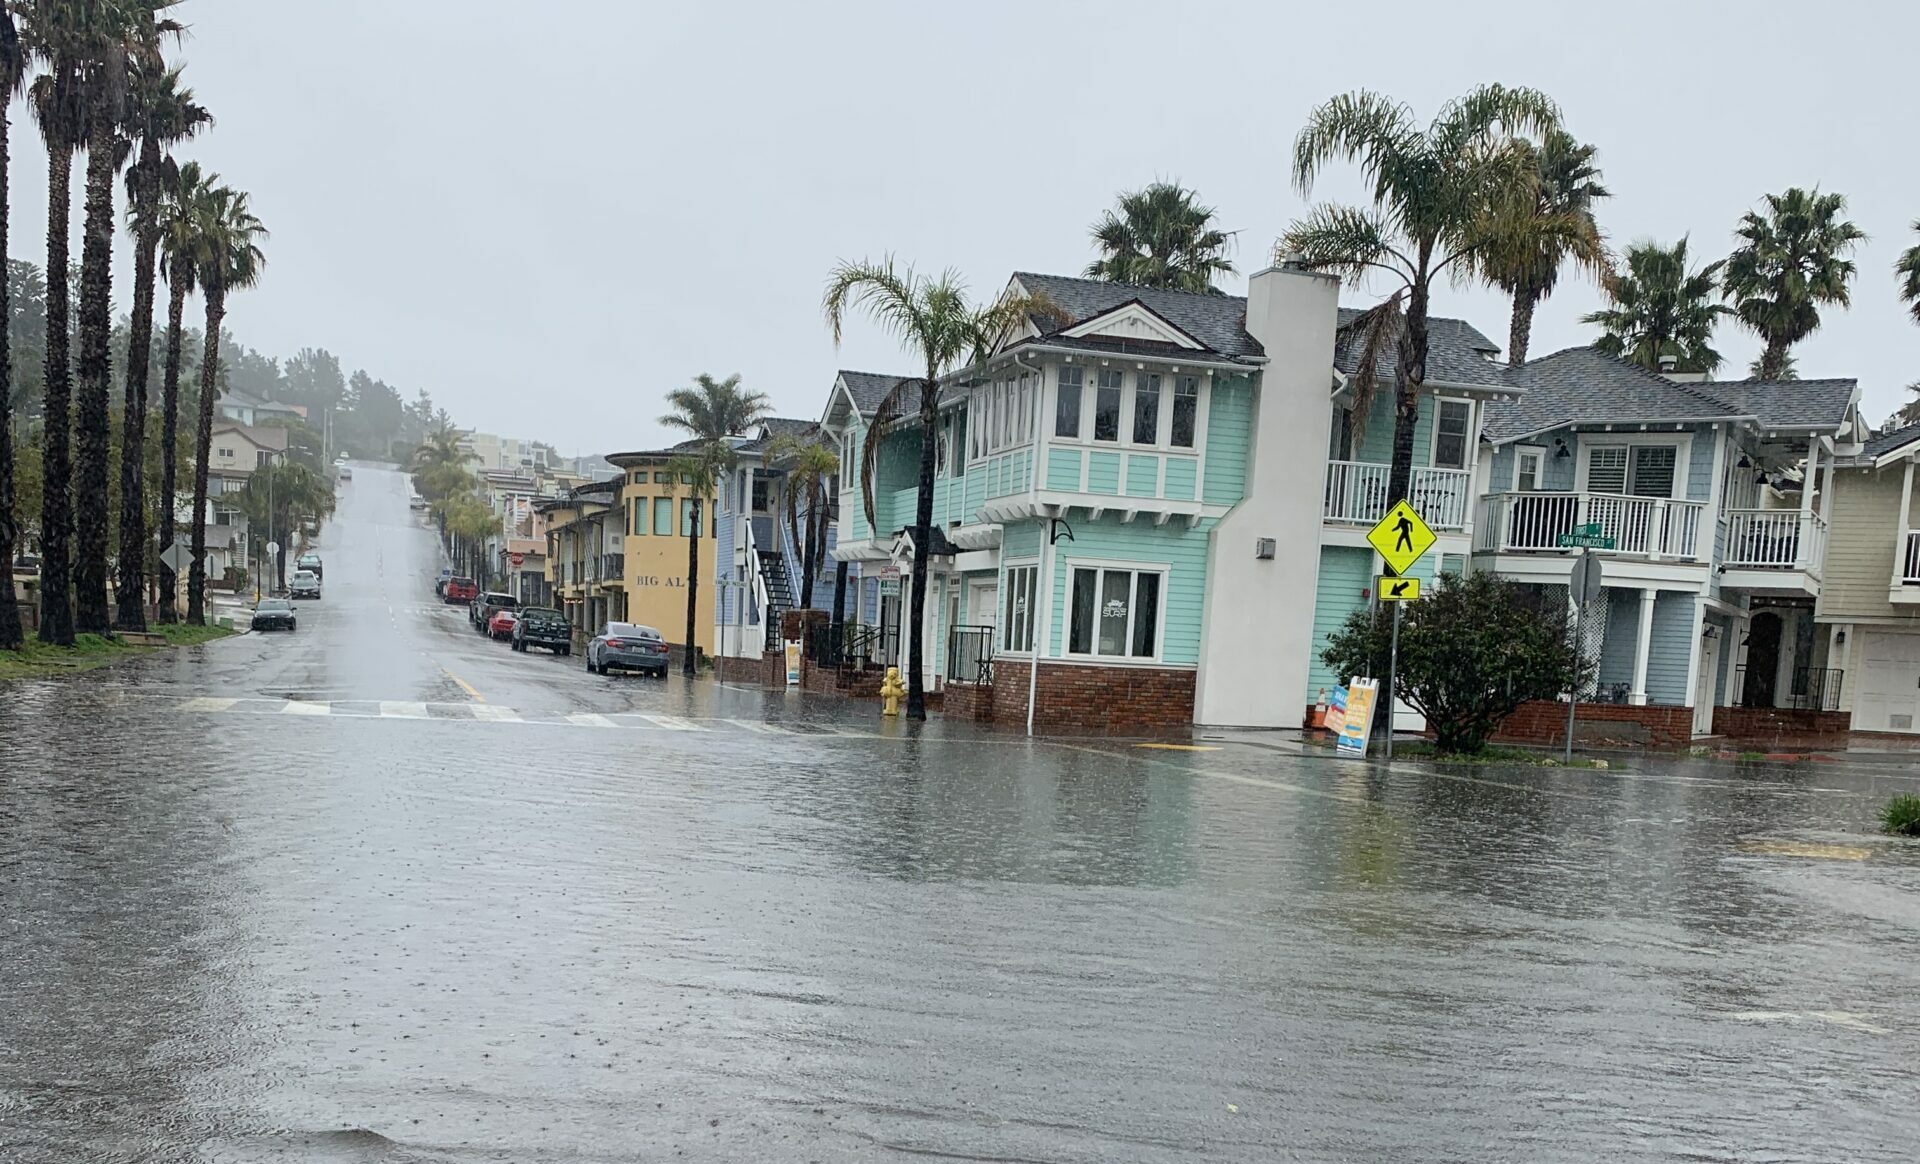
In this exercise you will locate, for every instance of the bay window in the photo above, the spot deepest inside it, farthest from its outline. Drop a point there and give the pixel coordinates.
(1146, 409)
(1106, 406)
(1114, 614)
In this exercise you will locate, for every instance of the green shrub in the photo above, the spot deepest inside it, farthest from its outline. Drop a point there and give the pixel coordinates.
(1901, 816)
(1471, 651)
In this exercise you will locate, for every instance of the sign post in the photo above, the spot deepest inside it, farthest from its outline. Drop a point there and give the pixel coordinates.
(1583, 586)
(1402, 538)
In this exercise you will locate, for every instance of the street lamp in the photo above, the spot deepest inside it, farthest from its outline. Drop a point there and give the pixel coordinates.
(1039, 633)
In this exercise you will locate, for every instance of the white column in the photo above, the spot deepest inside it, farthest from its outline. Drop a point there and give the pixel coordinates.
(1644, 644)
(1900, 535)
(1808, 474)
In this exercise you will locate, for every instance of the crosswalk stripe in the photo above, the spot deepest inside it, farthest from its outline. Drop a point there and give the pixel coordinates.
(492, 714)
(401, 709)
(590, 719)
(206, 703)
(417, 710)
(296, 707)
(674, 723)
(753, 725)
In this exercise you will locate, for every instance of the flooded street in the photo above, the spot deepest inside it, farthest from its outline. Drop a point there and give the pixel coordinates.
(383, 890)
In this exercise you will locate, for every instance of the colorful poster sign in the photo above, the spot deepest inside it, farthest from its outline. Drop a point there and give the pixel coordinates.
(1357, 724)
(1337, 711)
(793, 664)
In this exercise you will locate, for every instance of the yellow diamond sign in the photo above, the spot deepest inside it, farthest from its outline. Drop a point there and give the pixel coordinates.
(1401, 537)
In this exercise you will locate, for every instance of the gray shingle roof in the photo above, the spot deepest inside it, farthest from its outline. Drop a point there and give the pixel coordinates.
(1457, 352)
(1586, 386)
(1886, 443)
(1818, 404)
(870, 388)
(1218, 321)
(772, 428)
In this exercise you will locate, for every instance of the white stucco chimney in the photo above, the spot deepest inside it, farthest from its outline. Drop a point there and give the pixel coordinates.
(1256, 629)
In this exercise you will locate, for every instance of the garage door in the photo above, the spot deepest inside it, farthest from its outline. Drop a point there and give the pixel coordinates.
(1887, 698)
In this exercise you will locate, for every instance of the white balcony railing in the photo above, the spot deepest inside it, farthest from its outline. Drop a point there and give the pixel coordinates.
(1357, 492)
(1651, 527)
(1775, 539)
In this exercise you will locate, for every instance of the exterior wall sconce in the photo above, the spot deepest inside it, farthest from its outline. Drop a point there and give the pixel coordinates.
(1560, 450)
(1263, 549)
(1745, 462)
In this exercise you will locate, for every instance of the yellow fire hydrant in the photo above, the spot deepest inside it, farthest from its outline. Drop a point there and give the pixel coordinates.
(891, 689)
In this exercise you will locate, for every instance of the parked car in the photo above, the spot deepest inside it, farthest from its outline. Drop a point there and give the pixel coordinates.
(626, 646)
(310, 561)
(543, 626)
(275, 614)
(487, 605)
(500, 626)
(304, 584)
(346, 474)
(459, 590)
(416, 502)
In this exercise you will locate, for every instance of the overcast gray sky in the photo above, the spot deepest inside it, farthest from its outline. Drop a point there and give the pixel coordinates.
(549, 214)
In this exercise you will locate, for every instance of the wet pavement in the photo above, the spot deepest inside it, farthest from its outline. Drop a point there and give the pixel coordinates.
(385, 891)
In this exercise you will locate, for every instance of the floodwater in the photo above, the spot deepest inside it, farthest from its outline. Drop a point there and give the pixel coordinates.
(385, 891)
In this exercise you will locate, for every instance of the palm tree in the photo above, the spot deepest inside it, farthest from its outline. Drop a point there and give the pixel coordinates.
(711, 410)
(932, 317)
(176, 227)
(161, 115)
(810, 466)
(230, 259)
(1161, 237)
(1908, 268)
(59, 105)
(12, 71)
(1792, 263)
(279, 497)
(1439, 195)
(1909, 412)
(1554, 229)
(1661, 309)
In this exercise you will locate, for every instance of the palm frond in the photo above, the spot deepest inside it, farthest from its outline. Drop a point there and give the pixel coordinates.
(890, 295)
(1908, 269)
(891, 406)
(1361, 126)
(1346, 240)
(1378, 331)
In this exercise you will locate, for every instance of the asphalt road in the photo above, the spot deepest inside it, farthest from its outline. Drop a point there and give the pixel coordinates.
(383, 890)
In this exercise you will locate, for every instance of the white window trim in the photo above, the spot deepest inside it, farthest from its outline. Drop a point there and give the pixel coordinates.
(1163, 569)
(1466, 438)
(1003, 587)
(1513, 478)
(1682, 444)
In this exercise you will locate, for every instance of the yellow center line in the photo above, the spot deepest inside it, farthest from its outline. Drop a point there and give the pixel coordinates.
(466, 687)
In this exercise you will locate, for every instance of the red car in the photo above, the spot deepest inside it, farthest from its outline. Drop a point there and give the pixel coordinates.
(500, 626)
(460, 591)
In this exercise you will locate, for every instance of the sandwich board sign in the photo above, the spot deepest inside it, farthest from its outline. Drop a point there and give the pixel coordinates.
(1357, 723)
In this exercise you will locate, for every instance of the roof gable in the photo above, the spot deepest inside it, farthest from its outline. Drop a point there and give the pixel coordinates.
(1216, 323)
(1134, 321)
(868, 389)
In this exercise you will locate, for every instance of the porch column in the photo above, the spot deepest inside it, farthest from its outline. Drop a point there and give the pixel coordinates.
(1802, 544)
(1638, 695)
(1900, 535)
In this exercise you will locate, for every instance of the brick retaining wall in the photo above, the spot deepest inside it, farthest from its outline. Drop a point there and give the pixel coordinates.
(1081, 699)
(970, 701)
(1774, 723)
(1544, 722)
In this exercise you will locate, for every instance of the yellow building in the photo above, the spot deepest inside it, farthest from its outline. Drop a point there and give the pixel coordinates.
(658, 520)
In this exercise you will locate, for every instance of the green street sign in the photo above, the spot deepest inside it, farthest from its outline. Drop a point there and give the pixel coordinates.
(1580, 541)
(1590, 530)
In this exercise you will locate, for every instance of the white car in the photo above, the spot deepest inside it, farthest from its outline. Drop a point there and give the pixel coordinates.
(305, 584)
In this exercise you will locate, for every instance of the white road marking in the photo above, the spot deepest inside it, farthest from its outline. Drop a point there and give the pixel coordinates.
(296, 707)
(1839, 1018)
(589, 719)
(763, 728)
(207, 703)
(674, 723)
(400, 709)
(491, 714)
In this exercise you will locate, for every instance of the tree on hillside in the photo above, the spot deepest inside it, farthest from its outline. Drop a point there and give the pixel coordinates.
(1439, 194)
(1553, 228)
(710, 411)
(1160, 236)
(161, 115)
(1660, 308)
(1792, 262)
(229, 259)
(12, 71)
(933, 319)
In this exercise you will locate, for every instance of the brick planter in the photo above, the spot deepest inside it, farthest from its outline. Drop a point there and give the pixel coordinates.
(970, 701)
(1544, 722)
(1077, 699)
(1774, 723)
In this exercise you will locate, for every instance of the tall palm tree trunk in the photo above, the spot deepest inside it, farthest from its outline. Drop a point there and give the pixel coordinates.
(132, 584)
(922, 535)
(1773, 362)
(1409, 373)
(202, 447)
(688, 666)
(11, 634)
(56, 501)
(91, 487)
(1520, 329)
(809, 553)
(169, 609)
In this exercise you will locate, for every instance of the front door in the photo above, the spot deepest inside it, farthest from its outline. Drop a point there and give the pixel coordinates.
(1763, 660)
(1710, 648)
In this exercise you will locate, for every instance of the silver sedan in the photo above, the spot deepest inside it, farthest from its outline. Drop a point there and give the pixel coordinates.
(626, 646)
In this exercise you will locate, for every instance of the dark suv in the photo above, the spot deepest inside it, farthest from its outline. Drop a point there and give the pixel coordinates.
(489, 604)
(543, 626)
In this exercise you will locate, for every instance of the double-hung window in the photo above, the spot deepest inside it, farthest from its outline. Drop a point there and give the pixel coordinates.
(1526, 468)
(1016, 632)
(663, 516)
(1146, 409)
(1186, 410)
(1450, 427)
(639, 517)
(1066, 412)
(1115, 614)
(1106, 406)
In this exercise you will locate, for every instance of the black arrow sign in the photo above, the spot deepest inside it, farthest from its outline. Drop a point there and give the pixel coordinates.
(1400, 588)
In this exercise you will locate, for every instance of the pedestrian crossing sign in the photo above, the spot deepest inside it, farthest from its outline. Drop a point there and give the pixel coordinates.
(1395, 589)
(1401, 537)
